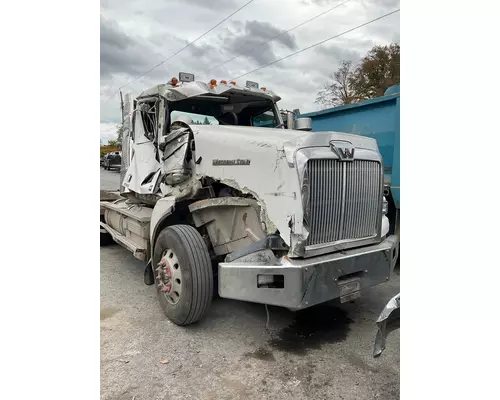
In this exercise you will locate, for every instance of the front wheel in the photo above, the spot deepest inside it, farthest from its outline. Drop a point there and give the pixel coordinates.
(183, 274)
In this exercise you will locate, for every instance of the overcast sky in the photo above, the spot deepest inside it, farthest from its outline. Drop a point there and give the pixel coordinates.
(138, 34)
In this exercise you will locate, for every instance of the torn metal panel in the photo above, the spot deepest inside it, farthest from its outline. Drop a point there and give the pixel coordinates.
(267, 174)
(143, 163)
(387, 322)
(175, 146)
(255, 251)
(182, 190)
(232, 223)
(126, 144)
(272, 173)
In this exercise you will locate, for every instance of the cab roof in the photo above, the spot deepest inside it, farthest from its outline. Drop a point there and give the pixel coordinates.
(184, 90)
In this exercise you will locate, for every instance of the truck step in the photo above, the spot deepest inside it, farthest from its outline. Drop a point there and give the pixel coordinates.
(125, 209)
(137, 251)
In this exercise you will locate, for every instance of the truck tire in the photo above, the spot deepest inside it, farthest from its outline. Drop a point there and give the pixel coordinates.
(183, 274)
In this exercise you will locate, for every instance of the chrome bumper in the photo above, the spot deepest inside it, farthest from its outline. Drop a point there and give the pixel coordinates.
(310, 281)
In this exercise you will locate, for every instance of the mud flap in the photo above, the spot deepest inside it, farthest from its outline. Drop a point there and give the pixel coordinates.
(387, 322)
(149, 278)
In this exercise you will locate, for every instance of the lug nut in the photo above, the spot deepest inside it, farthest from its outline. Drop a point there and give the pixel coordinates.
(166, 288)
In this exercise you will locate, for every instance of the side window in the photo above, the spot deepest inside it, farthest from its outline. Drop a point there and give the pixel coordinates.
(264, 120)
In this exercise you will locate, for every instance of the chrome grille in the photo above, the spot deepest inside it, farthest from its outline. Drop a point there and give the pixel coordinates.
(341, 200)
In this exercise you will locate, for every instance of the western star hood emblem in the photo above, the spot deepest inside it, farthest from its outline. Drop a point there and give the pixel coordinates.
(231, 162)
(344, 150)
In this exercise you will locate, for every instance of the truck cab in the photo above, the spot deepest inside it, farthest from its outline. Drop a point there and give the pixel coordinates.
(217, 193)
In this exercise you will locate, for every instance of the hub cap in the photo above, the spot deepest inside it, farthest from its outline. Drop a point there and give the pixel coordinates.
(168, 275)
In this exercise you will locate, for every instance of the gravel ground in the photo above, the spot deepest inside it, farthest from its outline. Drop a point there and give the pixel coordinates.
(324, 352)
(320, 353)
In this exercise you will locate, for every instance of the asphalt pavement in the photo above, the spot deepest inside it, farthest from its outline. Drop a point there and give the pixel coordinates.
(324, 352)
(110, 180)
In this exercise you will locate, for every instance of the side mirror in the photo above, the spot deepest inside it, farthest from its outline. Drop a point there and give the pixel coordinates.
(303, 124)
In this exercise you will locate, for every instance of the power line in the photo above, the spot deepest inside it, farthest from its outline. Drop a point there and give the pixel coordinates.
(316, 44)
(177, 52)
(277, 36)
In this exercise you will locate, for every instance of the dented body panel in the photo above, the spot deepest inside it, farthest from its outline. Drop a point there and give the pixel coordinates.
(266, 174)
(273, 168)
(311, 281)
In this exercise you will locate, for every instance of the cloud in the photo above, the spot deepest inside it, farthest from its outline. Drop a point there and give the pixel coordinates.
(108, 132)
(218, 4)
(136, 36)
(117, 51)
(250, 42)
(320, 2)
(122, 54)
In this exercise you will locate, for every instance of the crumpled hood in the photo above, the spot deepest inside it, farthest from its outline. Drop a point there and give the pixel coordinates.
(280, 139)
(261, 161)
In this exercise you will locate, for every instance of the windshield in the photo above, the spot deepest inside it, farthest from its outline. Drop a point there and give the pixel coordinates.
(266, 119)
(227, 110)
(197, 119)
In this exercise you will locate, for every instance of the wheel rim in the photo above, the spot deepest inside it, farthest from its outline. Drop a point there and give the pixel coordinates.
(168, 274)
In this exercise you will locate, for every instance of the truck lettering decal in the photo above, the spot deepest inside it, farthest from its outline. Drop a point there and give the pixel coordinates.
(231, 162)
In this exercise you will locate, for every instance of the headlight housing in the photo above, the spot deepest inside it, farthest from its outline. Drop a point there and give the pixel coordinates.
(385, 206)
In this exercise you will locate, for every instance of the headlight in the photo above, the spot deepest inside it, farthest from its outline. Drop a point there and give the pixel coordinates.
(385, 206)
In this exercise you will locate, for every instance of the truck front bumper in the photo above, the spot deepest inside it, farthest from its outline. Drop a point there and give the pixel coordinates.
(306, 282)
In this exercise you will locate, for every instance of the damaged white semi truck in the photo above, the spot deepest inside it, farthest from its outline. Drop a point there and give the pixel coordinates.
(243, 206)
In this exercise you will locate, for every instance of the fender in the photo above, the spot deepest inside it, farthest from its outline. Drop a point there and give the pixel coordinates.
(162, 209)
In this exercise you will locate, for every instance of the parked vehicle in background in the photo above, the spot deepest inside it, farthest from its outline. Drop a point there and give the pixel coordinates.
(101, 161)
(285, 217)
(113, 161)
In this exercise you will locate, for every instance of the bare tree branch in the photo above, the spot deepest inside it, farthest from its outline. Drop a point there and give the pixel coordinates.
(375, 73)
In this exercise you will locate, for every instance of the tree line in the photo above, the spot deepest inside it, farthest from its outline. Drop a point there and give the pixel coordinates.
(369, 78)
